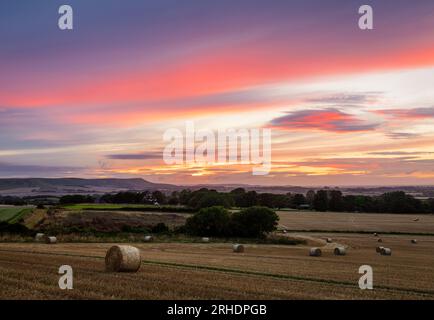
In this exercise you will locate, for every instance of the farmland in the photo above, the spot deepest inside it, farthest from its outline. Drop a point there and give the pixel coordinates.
(188, 271)
(178, 268)
(110, 221)
(13, 214)
(356, 222)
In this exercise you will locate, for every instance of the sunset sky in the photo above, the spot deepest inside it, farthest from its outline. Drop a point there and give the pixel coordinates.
(346, 106)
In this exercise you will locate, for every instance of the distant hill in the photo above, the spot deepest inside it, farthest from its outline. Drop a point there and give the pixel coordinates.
(57, 187)
(41, 186)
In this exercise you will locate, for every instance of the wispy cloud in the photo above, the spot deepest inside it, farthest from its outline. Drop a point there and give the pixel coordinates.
(348, 98)
(330, 119)
(401, 135)
(136, 156)
(24, 170)
(409, 114)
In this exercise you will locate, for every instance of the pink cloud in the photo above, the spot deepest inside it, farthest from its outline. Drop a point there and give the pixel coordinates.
(331, 120)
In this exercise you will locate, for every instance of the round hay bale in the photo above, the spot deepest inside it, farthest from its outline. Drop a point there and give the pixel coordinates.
(40, 237)
(205, 239)
(149, 238)
(315, 252)
(375, 234)
(239, 248)
(379, 240)
(340, 251)
(50, 240)
(122, 259)
(414, 241)
(386, 252)
(378, 249)
(329, 240)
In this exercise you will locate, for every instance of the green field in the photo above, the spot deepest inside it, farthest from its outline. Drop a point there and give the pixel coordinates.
(13, 215)
(127, 207)
(107, 206)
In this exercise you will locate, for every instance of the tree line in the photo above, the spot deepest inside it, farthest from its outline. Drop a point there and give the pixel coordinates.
(321, 200)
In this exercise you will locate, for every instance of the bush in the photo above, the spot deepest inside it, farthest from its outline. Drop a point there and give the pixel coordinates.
(253, 222)
(13, 228)
(211, 222)
(76, 199)
(160, 228)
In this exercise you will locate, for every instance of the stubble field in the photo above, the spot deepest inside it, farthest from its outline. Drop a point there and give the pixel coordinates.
(357, 222)
(213, 271)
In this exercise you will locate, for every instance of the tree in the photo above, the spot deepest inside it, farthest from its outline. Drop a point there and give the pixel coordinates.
(310, 196)
(213, 221)
(297, 200)
(266, 200)
(76, 199)
(281, 201)
(349, 203)
(251, 199)
(430, 205)
(238, 195)
(184, 197)
(173, 199)
(335, 201)
(399, 202)
(253, 222)
(320, 202)
(159, 197)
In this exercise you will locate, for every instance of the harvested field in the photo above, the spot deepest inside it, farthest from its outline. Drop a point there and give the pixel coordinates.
(356, 222)
(189, 271)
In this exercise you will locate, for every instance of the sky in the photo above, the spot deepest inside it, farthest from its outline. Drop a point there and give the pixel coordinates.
(345, 106)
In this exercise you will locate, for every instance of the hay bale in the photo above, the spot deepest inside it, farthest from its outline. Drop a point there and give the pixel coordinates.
(375, 234)
(340, 251)
(315, 252)
(50, 240)
(40, 237)
(122, 259)
(239, 248)
(329, 240)
(414, 241)
(378, 249)
(205, 239)
(386, 252)
(149, 238)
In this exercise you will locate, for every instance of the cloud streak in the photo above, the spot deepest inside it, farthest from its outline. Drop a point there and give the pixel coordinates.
(331, 120)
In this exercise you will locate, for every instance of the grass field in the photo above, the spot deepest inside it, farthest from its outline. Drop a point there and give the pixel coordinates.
(13, 214)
